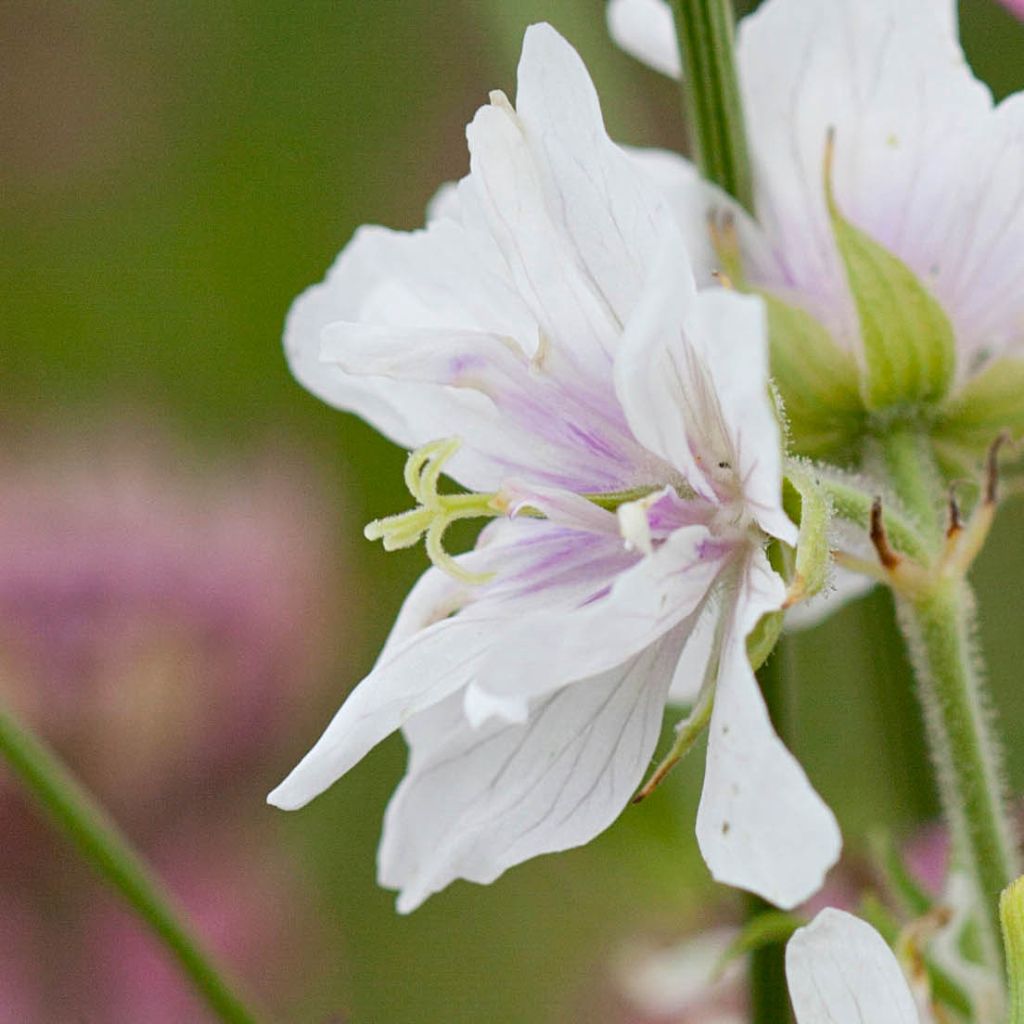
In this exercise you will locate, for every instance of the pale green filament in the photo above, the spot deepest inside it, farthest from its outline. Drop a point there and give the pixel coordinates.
(435, 512)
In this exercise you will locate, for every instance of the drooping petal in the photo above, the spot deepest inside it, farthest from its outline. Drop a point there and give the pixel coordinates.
(692, 376)
(540, 566)
(553, 648)
(645, 29)
(760, 825)
(477, 801)
(840, 971)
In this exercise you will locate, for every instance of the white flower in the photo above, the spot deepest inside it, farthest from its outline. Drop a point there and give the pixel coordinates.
(924, 163)
(547, 316)
(840, 971)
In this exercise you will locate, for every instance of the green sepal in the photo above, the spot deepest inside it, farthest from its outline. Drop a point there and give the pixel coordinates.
(816, 379)
(767, 929)
(909, 344)
(807, 504)
(763, 637)
(987, 404)
(1011, 914)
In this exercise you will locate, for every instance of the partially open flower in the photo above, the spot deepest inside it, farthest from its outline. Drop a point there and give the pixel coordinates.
(620, 421)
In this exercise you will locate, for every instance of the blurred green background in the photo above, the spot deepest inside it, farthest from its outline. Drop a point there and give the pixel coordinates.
(173, 175)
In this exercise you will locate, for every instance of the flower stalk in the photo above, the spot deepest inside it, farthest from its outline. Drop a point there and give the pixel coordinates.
(711, 95)
(75, 812)
(935, 608)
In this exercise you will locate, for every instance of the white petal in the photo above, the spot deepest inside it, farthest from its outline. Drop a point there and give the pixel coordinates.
(483, 388)
(611, 215)
(919, 163)
(692, 376)
(840, 971)
(692, 201)
(420, 281)
(415, 676)
(558, 646)
(760, 824)
(645, 29)
(541, 567)
(476, 802)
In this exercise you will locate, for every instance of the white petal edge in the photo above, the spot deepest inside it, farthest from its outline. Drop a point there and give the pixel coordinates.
(646, 30)
(840, 971)
(760, 824)
(478, 801)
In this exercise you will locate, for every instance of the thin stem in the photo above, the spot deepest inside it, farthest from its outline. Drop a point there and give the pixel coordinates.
(101, 843)
(938, 626)
(711, 95)
(769, 993)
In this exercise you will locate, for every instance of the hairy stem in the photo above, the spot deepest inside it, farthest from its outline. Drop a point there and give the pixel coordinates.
(938, 626)
(937, 620)
(100, 842)
(711, 95)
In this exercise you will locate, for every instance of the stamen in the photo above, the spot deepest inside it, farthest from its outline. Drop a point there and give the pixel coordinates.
(435, 512)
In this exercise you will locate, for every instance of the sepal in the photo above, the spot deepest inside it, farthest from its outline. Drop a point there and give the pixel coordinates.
(816, 380)
(909, 344)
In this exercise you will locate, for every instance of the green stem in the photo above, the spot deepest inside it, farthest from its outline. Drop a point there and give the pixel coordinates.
(909, 463)
(101, 843)
(938, 626)
(769, 993)
(937, 620)
(711, 95)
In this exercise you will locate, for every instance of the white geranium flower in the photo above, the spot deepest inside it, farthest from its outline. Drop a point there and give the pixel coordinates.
(548, 318)
(840, 971)
(923, 162)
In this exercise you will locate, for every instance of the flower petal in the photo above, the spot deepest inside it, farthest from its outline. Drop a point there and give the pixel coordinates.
(539, 566)
(645, 29)
(840, 971)
(692, 377)
(610, 215)
(477, 801)
(484, 388)
(760, 825)
(555, 647)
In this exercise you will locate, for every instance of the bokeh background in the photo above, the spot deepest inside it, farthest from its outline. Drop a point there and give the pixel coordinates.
(185, 595)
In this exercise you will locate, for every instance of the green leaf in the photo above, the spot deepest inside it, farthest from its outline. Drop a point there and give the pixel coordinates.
(817, 380)
(811, 508)
(909, 345)
(987, 404)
